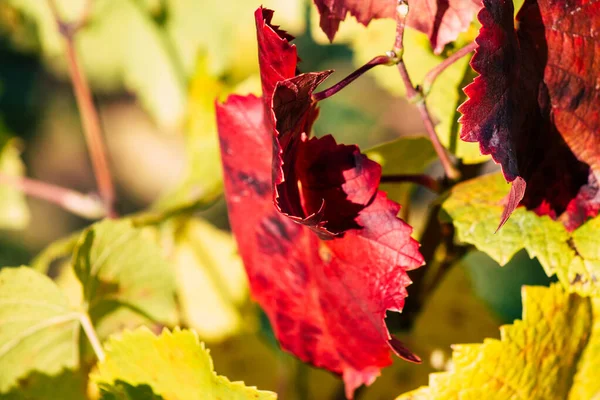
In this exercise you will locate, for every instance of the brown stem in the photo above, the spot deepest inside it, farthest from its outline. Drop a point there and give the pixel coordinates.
(87, 109)
(437, 70)
(415, 95)
(75, 202)
(423, 180)
(379, 60)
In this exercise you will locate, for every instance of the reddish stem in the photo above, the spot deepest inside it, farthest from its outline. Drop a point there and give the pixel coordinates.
(379, 60)
(437, 70)
(87, 109)
(75, 202)
(416, 96)
(423, 180)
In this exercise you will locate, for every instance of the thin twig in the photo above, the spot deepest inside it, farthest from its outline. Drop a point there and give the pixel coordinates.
(379, 60)
(441, 67)
(87, 109)
(423, 180)
(90, 332)
(416, 96)
(75, 202)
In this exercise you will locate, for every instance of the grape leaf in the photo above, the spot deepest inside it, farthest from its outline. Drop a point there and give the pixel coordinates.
(14, 213)
(339, 325)
(40, 331)
(509, 112)
(175, 365)
(547, 355)
(116, 263)
(475, 207)
(572, 74)
(317, 183)
(440, 20)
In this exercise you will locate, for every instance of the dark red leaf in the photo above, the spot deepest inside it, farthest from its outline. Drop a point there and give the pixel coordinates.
(277, 58)
(441, 20)
(326, 299)
(509, 113)
(572, 74)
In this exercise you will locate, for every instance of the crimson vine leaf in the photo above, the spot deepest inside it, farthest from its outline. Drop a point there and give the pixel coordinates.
(316, 182)
(441, 20)
(326, 299)
(511, 109)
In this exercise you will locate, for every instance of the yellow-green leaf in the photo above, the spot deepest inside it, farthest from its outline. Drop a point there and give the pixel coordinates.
(550, 354)
(475, 207)
(175, 365)
(39, 331)
(117, 263)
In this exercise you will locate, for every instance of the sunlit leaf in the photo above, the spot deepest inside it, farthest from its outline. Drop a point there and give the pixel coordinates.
(475, 207)
(118, 265)
(547, 355)
(39, 331)
(175, 365)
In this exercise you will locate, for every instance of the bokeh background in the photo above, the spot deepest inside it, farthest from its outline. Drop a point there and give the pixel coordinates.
(156, 68)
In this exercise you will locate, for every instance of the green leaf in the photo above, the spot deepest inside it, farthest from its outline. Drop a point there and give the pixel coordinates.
(212, 282)
(67, 385)
(548, 355)
(119, 266)
(475, 207)
(14, 213)
(174, 364)
(38, 329)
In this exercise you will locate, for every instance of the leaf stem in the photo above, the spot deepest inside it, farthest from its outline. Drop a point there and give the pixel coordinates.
(420, 179)
(441, 67)
(415, 95)
(90, 332)
(87, 109)
(379, 60)
(75, 202)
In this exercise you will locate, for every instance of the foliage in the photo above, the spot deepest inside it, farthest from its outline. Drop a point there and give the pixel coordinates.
(185, 368)
(303, 261)
(550, 354)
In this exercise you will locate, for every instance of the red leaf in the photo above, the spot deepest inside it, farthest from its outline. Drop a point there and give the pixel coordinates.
(572, 74)
(441, 20)
(509, 113)
(326, 299)
(334, 11)
(277, 58)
